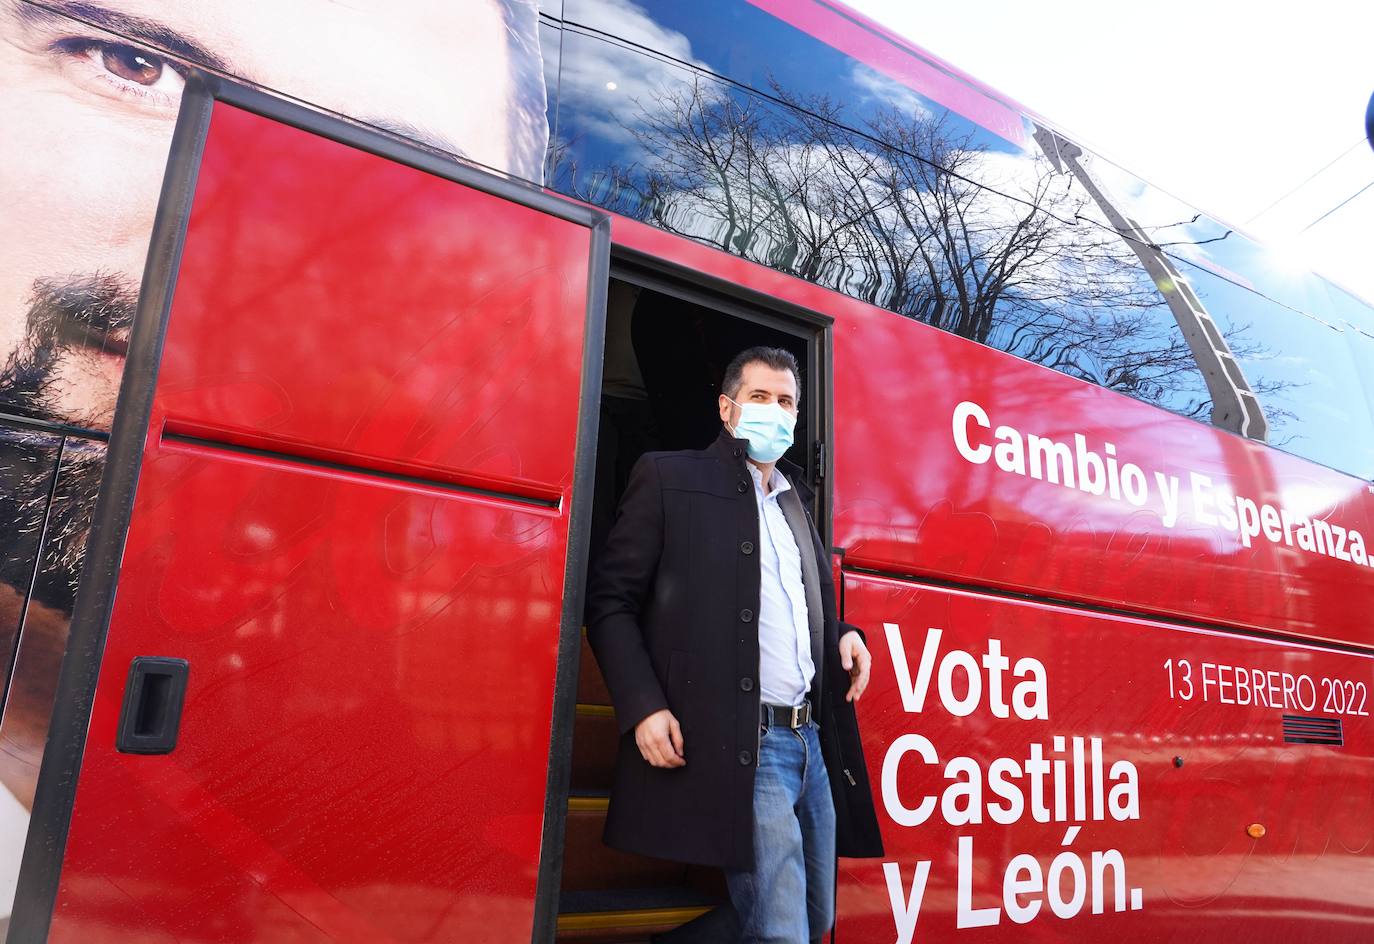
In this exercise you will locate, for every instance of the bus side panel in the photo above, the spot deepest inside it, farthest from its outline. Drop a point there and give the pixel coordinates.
(1047, 773)
(353, 523)
(959, 462)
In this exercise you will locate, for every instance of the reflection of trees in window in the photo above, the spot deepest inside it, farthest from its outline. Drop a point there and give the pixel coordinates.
(889, 213)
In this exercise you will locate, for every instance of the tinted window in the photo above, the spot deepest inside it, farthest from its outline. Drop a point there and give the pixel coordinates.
(912, 210)
(857, 164)
(1301, 369)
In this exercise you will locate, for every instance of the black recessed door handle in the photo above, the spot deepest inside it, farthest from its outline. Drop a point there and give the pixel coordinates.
(153, 695)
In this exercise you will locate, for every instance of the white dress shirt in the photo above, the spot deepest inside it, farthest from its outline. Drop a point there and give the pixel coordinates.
(785, 664)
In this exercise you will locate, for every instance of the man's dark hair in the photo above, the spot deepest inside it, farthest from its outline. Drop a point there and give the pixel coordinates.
(774, 357)
(528, 134)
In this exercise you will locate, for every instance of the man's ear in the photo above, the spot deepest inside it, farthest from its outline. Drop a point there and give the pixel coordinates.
(724, 408)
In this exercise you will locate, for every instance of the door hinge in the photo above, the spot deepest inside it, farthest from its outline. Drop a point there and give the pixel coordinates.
(819, 459)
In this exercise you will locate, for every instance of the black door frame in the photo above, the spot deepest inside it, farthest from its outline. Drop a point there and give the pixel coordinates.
(45, 846)
(746, 304)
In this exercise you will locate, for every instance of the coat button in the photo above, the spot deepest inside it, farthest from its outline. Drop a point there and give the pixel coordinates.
(738, 452)
(746, 616)
(746, 684)
(745, 758)
(746, 547)
(741, 487)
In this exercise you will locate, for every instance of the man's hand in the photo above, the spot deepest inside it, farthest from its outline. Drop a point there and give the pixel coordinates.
(856, 661)
(659, 736)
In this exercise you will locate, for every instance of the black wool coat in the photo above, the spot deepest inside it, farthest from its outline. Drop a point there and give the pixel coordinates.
(671, 610)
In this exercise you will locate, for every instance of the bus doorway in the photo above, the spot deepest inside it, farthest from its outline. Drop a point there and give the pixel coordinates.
(667, 348)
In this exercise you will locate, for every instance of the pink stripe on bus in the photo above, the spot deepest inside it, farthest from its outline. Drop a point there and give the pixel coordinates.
(898, 59)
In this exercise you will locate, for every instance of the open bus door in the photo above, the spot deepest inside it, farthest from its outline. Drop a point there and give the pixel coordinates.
(338, 671)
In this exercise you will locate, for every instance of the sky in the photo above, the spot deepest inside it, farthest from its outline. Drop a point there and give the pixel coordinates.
(1230, 106)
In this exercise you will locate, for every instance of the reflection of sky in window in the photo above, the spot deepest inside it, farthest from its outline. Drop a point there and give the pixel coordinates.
(1357, 327)
(1289, 328)
(742, 43)
(1302, 370)
(1081, 305)
(1307, 373)
(1154, 209)
(1344, 307)
(1185, 233)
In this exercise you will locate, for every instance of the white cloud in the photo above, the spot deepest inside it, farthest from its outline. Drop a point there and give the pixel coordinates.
(874, 87)
(608, 84)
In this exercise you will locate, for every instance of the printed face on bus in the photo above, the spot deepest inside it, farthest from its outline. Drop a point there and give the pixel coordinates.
(87, 116)
(91, 91)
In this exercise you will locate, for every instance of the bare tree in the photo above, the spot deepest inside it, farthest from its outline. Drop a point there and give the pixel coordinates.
(900, 211)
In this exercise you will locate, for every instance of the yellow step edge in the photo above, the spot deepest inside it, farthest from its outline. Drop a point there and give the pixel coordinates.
(596, 711)
(648, 918)
(584, 804)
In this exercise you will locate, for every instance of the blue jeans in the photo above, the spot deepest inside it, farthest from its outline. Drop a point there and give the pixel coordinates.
(788, 897)
(794, 844)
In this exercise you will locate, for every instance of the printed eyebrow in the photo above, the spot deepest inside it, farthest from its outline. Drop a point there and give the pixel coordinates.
(50, 13)
(430, 139)
(138, 29)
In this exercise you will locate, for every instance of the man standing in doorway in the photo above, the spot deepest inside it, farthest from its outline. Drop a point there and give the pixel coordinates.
(711, 611)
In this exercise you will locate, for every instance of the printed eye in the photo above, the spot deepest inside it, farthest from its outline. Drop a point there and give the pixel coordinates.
(135, 65)
(125, 70)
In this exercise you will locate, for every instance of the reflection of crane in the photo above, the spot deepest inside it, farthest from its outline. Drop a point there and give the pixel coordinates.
(1234, 404)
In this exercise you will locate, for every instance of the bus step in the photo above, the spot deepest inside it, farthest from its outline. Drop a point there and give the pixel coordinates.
(627, 914)
(590, 865)
(595, 742)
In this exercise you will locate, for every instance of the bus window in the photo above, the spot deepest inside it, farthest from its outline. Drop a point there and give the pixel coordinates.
(1302, 372)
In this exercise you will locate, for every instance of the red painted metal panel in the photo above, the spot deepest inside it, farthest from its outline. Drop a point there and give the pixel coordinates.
(363, 751)
(373, 314)
(929, 510)
(906, 502)
(361, 756)
(1201, 876)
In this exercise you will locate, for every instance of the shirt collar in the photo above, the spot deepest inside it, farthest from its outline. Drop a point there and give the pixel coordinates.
(777, 484)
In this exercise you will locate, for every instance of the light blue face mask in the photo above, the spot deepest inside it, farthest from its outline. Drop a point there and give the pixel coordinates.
(767, 427)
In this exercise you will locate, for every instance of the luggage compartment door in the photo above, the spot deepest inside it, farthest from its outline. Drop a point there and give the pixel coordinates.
(1055, 773)
(342, 647)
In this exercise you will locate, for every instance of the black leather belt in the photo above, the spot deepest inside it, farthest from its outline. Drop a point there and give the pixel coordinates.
(785, 716)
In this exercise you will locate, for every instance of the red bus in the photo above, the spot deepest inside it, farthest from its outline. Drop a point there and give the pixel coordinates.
(390, 302)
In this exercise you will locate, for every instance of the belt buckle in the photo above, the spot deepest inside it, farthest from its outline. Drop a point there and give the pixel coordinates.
(797, 721)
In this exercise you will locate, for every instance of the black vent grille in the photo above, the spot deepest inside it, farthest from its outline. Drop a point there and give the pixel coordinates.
(1312, 729)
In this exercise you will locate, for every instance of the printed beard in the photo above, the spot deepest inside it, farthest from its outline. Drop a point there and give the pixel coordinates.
(28, 519)
(80, 315)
